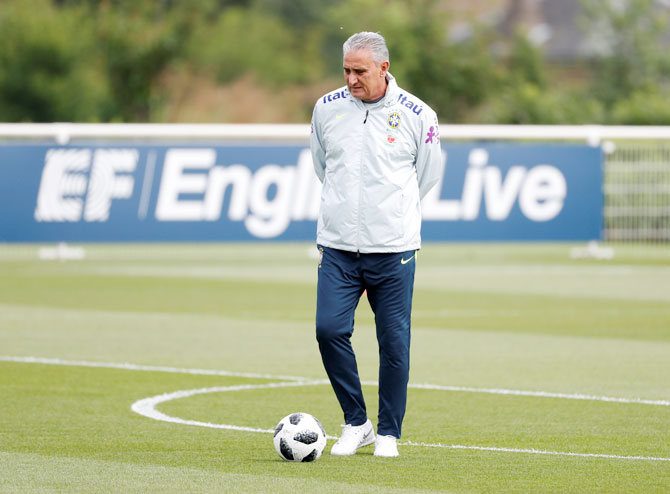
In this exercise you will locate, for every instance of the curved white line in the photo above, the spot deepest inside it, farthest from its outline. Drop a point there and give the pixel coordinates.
(146, 407)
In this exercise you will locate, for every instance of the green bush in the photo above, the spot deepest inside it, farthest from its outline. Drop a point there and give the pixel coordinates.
(249, 42)
(526, 103)
(451, 78)
(87, 61)
(633, 59)
(137, 42)
(48, 71)
(643, 108)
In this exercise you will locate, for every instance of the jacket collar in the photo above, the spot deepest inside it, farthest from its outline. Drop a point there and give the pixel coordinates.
(391, 91)
(389, 98)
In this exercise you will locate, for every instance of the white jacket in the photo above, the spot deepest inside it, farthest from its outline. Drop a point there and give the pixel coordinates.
(376, 161)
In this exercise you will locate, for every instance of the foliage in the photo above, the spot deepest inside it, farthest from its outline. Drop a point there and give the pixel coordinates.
(138, 40)
(44, 75)
(84, 62)
(633, 61)
(247, 41)
(297, 14)
(526, 103)
(526, 95)
(115, 60)
(451, 78)
(643, 108)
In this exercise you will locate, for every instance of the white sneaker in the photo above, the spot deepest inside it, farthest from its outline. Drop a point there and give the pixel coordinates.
(386, 446)
(352, 438)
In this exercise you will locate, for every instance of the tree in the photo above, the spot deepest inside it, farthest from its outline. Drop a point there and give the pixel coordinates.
(633, 58)
(137, 42)
(48, 70)
(246, 41)
(451, 78)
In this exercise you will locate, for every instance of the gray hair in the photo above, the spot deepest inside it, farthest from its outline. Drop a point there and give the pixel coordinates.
(365, 40)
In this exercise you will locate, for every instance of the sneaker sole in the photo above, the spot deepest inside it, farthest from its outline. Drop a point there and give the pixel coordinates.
(386, 456)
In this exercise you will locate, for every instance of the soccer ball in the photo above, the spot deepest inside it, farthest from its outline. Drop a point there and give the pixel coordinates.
(300, 437)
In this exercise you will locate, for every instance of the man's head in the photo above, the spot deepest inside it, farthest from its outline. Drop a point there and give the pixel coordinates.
(366, 61)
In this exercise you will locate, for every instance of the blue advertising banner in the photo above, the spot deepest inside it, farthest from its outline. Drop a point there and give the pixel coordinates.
(138, 193)
(516, 192)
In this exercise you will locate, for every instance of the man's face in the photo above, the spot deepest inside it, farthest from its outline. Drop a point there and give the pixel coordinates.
(365, 79)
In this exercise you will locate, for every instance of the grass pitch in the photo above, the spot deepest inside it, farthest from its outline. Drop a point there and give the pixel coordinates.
(531, 372)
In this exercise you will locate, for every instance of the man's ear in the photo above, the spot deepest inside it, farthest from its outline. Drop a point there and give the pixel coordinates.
(384, 66)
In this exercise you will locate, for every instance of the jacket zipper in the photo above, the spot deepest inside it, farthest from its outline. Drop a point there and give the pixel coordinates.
(360, 187)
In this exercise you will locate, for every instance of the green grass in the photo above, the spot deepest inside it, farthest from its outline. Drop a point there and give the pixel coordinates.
(518, 317)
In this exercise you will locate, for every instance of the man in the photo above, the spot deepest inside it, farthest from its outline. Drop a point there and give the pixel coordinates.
(376, 150)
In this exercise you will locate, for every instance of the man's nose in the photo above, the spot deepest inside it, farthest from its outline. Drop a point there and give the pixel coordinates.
(351, 79)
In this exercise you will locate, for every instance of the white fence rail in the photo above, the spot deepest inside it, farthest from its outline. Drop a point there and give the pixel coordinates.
(637, 159)
(64, 132)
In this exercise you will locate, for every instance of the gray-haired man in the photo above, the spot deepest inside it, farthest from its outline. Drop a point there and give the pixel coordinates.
(376, 149)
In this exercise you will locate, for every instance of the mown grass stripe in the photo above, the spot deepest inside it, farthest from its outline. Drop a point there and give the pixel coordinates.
(251, 375)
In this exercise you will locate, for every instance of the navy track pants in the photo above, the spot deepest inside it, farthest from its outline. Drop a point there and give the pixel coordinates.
(389, 281)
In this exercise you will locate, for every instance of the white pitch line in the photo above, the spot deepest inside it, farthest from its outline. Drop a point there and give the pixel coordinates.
(536, 452)
(436, 387)
(147, 408)
(145, 368)
(543, 394)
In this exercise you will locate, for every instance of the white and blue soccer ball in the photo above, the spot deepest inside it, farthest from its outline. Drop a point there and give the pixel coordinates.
(300, 437)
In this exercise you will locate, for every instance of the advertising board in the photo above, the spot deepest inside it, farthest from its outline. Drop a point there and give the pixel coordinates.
(185, 193)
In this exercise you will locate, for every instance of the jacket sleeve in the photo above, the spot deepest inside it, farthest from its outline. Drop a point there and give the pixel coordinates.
(316, 145)
(429, 154)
